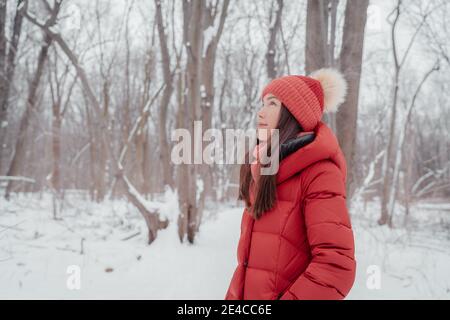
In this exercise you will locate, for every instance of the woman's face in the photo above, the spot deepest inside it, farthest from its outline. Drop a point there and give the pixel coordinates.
(268, 116)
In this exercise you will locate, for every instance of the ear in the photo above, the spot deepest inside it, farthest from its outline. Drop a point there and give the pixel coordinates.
(334, 87)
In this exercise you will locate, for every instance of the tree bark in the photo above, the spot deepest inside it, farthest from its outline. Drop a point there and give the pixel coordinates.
(350, 64)
(190, 110)
(213, 15)
(274, 29)
(7, 69)
(21, 147)
(165, 100)
(316, 35)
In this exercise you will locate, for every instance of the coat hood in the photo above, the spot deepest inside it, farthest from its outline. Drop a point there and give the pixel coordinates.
(324, 146)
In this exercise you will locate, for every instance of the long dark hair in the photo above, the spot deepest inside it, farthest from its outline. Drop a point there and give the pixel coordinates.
(265, 189)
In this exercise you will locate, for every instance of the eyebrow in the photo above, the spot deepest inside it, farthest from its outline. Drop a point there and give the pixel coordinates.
(271, 97)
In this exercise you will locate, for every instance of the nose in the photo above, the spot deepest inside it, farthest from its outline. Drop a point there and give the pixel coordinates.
(260, 113)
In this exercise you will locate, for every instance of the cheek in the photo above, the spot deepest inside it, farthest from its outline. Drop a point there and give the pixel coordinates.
(273, 116)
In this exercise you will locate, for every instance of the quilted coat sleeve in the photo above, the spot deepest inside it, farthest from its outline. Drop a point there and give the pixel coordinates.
(331, 272)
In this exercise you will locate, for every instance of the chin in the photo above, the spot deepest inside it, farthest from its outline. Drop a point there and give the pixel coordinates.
(263, 134)
(262, 137)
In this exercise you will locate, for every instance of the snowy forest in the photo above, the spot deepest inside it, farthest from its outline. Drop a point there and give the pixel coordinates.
(91, 91)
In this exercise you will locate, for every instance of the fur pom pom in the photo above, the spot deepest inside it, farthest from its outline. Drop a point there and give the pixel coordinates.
(334, 87)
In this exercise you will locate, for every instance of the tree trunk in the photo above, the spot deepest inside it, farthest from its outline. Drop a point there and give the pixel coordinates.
(191, 111)
(56, 147)
(21, 147)
(164, 104)
(320, 53)
(316, 35)
(386, 170)
(350, 64)
(7, 68)
(274, 29)
(211, 17)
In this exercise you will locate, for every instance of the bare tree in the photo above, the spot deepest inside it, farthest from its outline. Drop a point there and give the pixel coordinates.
(274, 29)
(100, 117)
(61, 92)
(165, 100)
(316, 35)
(321, 32)
(7, 66)
(190, 111)
(151, 216)
(399, 62)
(20, 149)
(401, 142)
(351, 63)
(214, 17)
(199, 18)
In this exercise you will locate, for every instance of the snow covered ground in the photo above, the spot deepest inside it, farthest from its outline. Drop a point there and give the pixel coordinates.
(37, 252)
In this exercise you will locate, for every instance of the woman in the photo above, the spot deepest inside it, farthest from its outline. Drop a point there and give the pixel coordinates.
(296, 238)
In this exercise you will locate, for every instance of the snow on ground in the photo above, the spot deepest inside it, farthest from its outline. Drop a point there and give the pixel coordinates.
(36, 252)
(414, 262)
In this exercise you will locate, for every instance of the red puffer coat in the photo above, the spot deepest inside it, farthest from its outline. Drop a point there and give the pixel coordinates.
(303, 248)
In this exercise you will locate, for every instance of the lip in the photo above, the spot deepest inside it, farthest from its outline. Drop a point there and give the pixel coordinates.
(262, 125)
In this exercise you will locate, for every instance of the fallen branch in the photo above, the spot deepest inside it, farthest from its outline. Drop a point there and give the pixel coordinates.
(131, 236)
(17, 178)
(11, 227)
